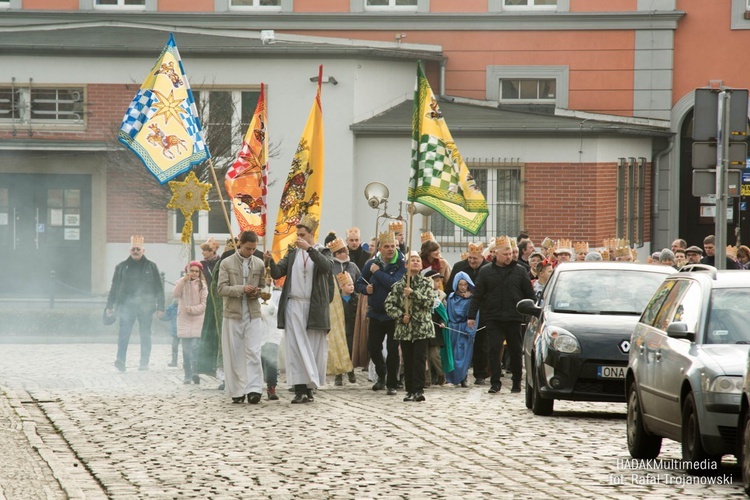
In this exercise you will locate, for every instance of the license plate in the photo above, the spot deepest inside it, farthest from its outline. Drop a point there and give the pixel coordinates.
(610, 371)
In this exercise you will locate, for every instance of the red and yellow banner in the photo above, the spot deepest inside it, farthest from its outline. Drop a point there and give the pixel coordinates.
(247, 179)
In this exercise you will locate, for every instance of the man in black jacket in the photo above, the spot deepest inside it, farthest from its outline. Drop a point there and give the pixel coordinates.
(500, 286)
(378, 276)
(136, 293)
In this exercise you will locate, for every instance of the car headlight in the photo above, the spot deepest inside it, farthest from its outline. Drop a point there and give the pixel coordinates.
(726, 385)
(562, 340)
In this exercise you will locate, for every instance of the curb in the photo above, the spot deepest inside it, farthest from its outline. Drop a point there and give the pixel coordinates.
(29, 427)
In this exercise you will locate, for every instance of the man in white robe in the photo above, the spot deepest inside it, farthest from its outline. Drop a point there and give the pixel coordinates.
(241, 276)
(304, 309)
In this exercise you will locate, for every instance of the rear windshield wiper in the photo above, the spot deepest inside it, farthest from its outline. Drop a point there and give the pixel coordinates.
(574, 311)
(622, 313)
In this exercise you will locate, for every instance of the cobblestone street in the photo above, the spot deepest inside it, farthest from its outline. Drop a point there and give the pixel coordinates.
(72, 426)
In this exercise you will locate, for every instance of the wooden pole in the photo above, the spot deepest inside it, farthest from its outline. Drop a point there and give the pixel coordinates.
(408, 249)
(221, 200)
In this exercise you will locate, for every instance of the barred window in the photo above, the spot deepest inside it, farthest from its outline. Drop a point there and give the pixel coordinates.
(529, 4)
(23, 105)
(501, 183)
(631, 188)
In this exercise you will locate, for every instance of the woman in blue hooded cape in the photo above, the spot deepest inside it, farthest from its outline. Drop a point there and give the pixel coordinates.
(462, 337)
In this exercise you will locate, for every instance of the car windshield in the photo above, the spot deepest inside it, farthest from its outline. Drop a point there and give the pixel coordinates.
(604, 291)
(728, 316)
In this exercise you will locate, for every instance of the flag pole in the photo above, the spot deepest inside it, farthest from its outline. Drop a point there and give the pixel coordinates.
(221, 200)
(411, 226)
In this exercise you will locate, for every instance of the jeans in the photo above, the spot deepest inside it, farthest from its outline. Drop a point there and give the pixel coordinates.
(415, 356)
(190, 356)
(387, 369)
(508, 331)
(128, 314)
(269, 356)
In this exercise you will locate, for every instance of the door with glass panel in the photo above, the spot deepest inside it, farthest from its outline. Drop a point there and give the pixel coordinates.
(45, 234)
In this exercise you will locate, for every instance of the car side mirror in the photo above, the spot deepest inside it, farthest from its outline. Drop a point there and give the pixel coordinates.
(529, 308)
(679, 330)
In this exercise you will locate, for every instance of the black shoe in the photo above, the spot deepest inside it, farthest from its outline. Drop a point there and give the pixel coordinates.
(253, 398)
(352, 378)
(238, 400)
(419, 397)
(120, 365)
(196, 379)
(378, 386)
(409, 397)
(479, 381)
(339, 380)
(299, 399)
(495, 388)
(391, 391)
(272, 396)
(310, 397)
(464, 384)
(515, 388)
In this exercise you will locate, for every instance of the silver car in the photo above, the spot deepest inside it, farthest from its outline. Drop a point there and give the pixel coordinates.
(686, 363)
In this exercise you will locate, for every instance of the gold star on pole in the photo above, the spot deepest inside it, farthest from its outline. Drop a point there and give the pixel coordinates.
(188, 196)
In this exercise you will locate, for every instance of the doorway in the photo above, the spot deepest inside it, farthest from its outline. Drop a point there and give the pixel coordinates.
(45, 234)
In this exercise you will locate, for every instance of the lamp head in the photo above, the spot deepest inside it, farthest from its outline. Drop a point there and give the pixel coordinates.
(418, 208)
(376, 193)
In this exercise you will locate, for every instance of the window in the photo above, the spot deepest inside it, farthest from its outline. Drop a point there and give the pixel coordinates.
(391, 4)
(4, 4)
(41, 105)
(501, 185)
(64, 214)
(517, 90)
(544, 85)
(529, 4)
(120, 4)
(225, 116)
(255, 4)
(631, 212)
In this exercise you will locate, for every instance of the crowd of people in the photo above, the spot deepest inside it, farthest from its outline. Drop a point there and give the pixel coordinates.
(409, 318)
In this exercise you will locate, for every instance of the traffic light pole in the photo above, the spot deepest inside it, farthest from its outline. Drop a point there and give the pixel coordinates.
(722, 165)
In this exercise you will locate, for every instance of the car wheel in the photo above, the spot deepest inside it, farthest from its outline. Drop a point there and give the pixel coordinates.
(539, 405)
(692, 447)
(745, 452)
(641, 444)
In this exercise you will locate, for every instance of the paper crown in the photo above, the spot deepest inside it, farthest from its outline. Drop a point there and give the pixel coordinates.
(427, 236)
(396, 226)
(229, 244)
(352, 231)
(622, 252)
(559, 250)
(547, 243)
(490, 246)
(604, 253)
(634, 254)
(414, 253)
(581, 247)
(136, 241)
(465, 255)
(475, 249)
(309, 222)
(344, 279)
(513, 243)
(564, 243)
(502, 241)
(386, 237)
(336, 245)
(732, 252)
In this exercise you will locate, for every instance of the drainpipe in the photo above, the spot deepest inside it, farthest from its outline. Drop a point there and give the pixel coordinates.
(657, 166)
(442, 77)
